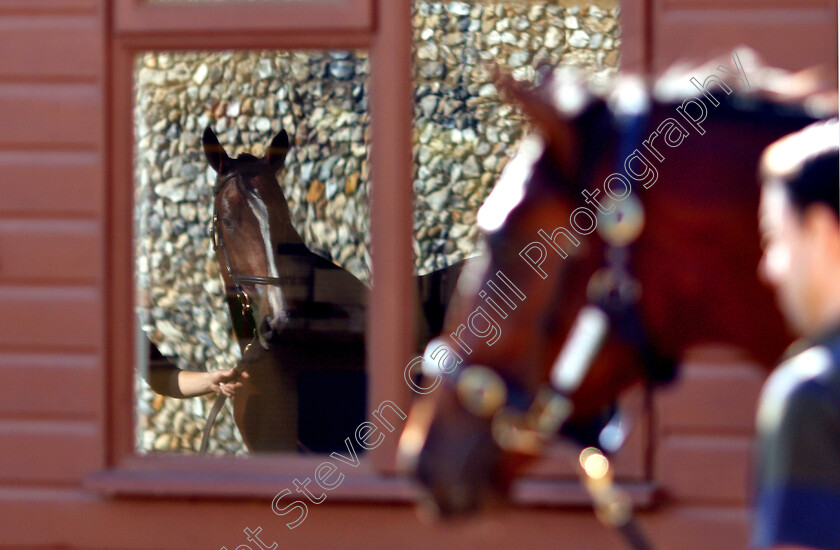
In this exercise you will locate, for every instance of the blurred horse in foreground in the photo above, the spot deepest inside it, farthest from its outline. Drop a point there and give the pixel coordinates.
(623, 231)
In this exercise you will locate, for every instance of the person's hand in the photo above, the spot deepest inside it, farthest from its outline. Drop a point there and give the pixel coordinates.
(221, 381)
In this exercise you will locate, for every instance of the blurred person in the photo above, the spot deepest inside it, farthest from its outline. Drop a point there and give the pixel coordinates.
(797, 498)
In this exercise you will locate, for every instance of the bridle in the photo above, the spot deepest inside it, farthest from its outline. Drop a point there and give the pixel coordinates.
(250, 351)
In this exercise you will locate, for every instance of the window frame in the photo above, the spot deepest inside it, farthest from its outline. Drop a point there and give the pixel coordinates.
(272, 16)
(383, 28)
(389, 45)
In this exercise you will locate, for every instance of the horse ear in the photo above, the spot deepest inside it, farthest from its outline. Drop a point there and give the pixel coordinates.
(556, 128)
(213, 150)
(277, 149)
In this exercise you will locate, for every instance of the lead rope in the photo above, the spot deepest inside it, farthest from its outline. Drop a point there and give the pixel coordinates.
(613, 506)
(614, 289)
(247, 357)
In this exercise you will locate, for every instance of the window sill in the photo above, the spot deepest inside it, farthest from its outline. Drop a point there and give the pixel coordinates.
(264, 477)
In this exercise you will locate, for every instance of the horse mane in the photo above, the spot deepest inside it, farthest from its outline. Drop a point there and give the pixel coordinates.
(770, 90)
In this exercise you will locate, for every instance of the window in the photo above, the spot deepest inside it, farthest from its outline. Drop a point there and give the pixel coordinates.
(144, 27)
(312, 383)
(461, 131)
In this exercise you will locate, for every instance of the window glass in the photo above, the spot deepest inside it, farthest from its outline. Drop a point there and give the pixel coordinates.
(306, 390)
(464, 130)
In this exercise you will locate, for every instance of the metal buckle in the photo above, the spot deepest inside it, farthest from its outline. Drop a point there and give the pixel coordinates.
(214, 233)
(244, 302)
(481, 390)
(622, 225)
(483, 393)
(527, 432)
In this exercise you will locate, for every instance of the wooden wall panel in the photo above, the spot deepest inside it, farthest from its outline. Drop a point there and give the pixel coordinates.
(708, 469)
(58, 385)
(44, 116)
(68, 251)
(51, 318)
(711, 398)
(634, 45)
(48, 452)
(187, 525)
(787, 34)
(705, 429)
(51, 7)
(51, 183)
(51, 245)
(746, 4)
(202, 524)
(699, 528)
(49, 48)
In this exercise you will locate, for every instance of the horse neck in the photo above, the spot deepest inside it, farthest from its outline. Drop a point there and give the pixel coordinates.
(288, 234)
(698, 257)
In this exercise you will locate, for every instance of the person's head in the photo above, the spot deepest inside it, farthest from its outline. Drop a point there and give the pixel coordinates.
(800, 231)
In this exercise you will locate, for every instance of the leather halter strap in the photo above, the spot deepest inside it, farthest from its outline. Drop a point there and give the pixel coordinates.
(525, 423)
(239, 280)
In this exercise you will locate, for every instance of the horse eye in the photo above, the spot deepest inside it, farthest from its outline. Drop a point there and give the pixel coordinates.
(227, 223)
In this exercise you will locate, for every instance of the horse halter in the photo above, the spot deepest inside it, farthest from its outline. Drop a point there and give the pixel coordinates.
(219, 242)
(239, 280)
(524, 425)
(612, 295)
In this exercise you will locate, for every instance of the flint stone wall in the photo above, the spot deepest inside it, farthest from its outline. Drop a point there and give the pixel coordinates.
(464, 135)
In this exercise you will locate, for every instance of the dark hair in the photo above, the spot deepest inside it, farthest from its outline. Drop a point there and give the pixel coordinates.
(817, 181)
(807, 165)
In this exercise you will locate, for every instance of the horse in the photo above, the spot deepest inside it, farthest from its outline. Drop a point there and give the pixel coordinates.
(299, 318)
(603, 236)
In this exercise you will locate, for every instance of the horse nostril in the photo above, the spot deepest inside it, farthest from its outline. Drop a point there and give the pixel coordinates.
(265, 332)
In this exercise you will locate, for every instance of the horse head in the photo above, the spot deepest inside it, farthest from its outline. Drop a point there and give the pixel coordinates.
(251, 225)
(594, 274)
(516, 306)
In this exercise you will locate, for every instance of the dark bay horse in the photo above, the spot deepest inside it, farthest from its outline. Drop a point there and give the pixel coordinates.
(622, 232)
(298, 317)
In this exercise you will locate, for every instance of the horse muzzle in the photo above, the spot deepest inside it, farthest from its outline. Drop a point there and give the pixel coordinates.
(455, 459)
(269, 328)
